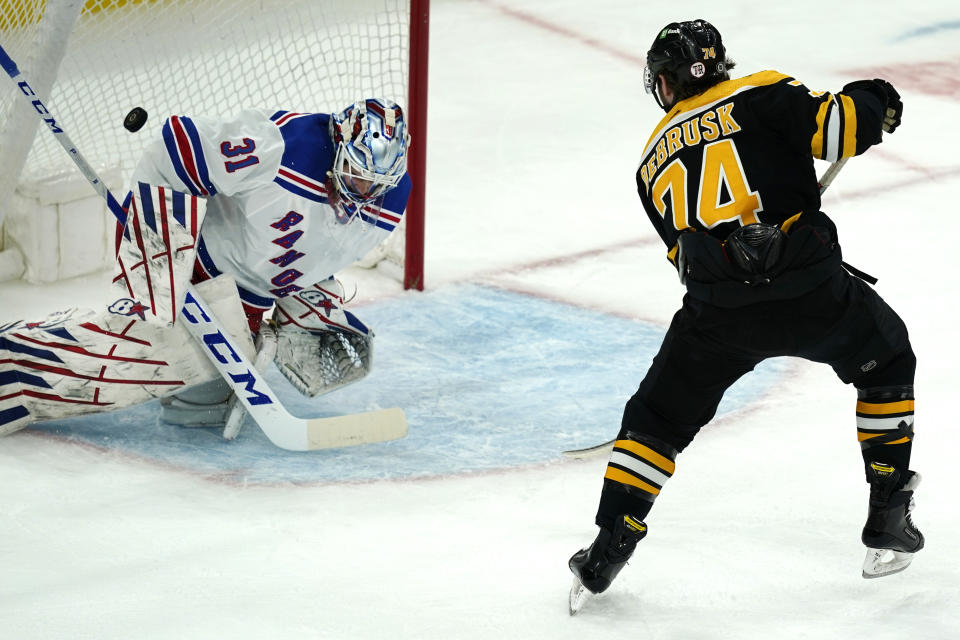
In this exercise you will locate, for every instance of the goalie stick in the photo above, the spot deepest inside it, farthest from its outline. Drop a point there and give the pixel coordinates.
(249, 385)
(605, 447)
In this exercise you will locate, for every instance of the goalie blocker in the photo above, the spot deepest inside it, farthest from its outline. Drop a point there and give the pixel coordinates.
(82, 361)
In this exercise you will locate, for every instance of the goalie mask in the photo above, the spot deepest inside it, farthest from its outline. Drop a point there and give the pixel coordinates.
(371, 157)
(690, 55)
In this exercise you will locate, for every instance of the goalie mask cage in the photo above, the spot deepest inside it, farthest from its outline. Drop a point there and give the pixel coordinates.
(92, 61)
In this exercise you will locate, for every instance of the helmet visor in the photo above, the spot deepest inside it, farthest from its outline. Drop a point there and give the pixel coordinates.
(359, 184)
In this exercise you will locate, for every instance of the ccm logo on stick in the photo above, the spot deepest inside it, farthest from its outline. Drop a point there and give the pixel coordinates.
(40, 107)
(213, 341)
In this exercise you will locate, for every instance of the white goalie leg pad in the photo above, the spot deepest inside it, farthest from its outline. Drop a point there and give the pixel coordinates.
(81, 361)
(320, 345)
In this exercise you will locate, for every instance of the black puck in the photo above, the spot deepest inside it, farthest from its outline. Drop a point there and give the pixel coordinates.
(135, 119)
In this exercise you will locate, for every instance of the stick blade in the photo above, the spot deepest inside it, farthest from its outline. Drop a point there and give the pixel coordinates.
(355, 429)
(590, 452)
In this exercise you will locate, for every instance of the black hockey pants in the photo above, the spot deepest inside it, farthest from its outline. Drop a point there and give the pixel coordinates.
(843, 323)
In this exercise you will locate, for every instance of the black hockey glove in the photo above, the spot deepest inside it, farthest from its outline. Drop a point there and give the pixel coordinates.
(891, 118)
(887, 95)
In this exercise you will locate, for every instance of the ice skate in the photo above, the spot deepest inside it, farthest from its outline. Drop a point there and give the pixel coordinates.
(595, 567)
(890, 536)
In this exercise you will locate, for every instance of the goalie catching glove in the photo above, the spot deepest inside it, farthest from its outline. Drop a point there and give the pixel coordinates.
(320, 346)
(318, 363)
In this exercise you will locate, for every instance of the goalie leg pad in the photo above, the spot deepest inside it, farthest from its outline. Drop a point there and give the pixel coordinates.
(81, 361)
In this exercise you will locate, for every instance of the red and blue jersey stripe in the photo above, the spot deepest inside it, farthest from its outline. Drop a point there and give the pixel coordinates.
(280, 118)
(302, 185)
(186, 153)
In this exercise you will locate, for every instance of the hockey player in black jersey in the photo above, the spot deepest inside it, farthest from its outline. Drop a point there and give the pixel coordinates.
(728, 181)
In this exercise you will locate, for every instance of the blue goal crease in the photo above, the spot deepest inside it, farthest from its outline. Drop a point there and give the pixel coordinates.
(489, 379)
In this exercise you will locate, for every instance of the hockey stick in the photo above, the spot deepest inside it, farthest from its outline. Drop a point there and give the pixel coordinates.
(827, 178)
(604, 447)
(266, 350)
(589, 452)
(283, 429)
(251, 388)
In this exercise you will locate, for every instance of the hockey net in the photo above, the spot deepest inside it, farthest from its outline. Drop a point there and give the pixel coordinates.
(93, 61)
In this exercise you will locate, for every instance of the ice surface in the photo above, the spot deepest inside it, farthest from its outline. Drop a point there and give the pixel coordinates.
(480, 372)
(537, 117)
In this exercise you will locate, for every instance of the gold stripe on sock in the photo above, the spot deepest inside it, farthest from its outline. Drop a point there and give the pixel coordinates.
(618, 475)
(902, 406)
(647, 454)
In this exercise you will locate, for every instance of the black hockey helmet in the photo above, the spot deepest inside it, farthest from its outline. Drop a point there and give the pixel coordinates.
(690, 55)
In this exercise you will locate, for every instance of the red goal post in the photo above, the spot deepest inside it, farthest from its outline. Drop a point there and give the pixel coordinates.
(94, 60)
(417, 103)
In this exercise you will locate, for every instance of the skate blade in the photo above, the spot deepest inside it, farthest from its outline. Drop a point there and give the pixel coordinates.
(579, 594)
(884, 562)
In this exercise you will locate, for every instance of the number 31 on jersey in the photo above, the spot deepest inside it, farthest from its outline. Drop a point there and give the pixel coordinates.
(245, 149)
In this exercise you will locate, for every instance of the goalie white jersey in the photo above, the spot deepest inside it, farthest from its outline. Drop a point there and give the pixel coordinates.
(273, 220)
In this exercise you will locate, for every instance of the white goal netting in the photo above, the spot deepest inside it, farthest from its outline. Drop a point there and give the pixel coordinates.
(93, 61)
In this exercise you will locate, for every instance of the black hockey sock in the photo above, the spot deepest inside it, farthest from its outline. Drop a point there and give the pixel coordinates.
(639, 466)
(885, 425)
